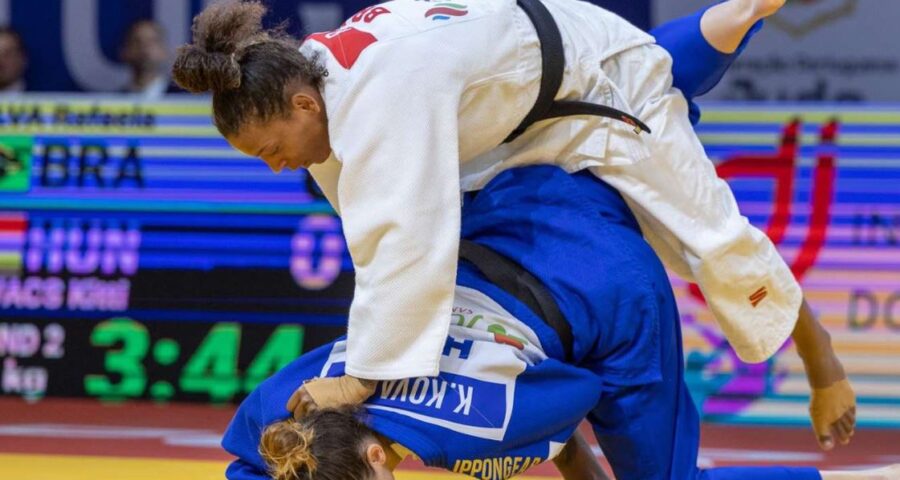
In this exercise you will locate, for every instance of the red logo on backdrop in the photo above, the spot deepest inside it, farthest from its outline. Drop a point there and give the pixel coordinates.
(781, 167)
(347, 43)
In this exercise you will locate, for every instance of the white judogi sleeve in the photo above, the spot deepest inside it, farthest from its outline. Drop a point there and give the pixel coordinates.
(398, 194)
(691, 218)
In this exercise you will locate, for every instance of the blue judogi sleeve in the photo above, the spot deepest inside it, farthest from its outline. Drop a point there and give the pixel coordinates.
(697, 67)
(238, 441)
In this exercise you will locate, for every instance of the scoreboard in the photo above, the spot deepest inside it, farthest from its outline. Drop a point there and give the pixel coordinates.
(142, 257)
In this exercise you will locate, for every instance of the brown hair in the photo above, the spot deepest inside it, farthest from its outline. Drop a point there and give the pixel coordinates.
(244, 66)
(324, 445)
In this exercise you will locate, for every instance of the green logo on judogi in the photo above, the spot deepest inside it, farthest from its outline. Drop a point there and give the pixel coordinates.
(15, 163)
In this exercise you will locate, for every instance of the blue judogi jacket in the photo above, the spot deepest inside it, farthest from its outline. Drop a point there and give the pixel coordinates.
(492, 412)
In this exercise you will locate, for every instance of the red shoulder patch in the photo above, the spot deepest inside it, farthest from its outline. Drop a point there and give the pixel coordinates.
(345, 43)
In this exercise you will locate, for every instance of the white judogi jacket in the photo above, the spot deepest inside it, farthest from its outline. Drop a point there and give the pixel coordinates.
(420, 94)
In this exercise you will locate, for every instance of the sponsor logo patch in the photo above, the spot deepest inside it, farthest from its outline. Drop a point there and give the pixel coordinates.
(446, 10)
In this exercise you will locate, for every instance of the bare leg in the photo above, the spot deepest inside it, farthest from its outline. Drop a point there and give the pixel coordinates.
(833, 403)
(577, 461)
(725, 25)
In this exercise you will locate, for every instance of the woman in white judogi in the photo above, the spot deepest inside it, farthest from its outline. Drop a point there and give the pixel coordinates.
(410, 103)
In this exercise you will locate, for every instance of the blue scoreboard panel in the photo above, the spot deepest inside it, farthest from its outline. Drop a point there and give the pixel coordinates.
(141, 256)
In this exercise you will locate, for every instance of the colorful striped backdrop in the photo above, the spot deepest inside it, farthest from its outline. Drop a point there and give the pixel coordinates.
(822, 180)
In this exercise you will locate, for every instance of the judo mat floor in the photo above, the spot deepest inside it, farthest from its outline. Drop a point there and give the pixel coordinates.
(69, 439)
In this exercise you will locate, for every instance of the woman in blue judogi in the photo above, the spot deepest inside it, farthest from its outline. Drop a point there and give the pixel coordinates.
(514, 384)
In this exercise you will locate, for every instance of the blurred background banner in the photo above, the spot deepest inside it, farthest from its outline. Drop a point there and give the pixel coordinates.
(76, 45)
(823, 181)
(142, 257)
(813, 50)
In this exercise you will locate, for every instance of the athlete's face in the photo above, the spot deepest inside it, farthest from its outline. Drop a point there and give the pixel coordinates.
(296, 141)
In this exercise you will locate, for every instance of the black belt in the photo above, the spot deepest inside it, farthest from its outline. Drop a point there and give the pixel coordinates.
(552, 67)
(518, 282)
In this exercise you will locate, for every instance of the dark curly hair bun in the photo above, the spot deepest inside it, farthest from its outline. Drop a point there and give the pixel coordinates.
(248, 69)
(221, 33)
(199, 71)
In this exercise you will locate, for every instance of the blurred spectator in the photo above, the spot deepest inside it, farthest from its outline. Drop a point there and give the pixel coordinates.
(13, 61)
(147, 56)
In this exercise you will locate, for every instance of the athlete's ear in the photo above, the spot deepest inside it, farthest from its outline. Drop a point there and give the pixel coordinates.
(375, 454)
(306, 101)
